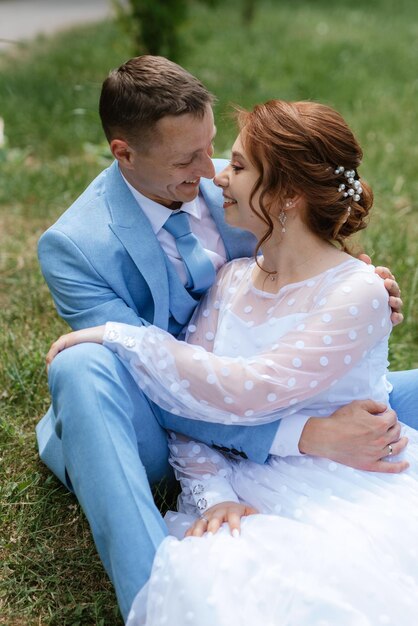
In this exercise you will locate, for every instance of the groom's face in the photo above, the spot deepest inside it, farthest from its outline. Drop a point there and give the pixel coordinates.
(178, 155)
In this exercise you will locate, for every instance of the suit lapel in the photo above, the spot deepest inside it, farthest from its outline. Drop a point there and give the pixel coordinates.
(132, 228)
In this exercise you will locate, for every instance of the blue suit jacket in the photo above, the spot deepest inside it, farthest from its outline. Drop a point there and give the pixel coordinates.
(103, 262)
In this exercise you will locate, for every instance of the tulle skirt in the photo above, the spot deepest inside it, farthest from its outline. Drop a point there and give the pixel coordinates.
(333, 546)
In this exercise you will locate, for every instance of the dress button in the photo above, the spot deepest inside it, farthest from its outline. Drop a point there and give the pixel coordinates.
(129, 342)
(201, 504)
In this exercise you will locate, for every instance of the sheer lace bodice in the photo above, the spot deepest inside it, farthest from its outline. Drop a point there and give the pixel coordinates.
(250, 357)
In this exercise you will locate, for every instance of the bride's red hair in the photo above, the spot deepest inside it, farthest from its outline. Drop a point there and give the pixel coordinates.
(297, 146)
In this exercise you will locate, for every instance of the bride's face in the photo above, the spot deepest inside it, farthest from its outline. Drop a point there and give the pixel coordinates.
(237, 181)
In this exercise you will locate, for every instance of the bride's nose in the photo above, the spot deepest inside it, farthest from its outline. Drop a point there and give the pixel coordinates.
(221, 179)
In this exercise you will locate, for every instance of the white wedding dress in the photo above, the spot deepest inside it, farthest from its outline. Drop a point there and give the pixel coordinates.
(332, 545)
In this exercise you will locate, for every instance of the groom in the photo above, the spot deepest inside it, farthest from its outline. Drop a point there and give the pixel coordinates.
(113, 256)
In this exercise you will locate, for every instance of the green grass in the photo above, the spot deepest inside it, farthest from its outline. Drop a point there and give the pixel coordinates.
(359, 57)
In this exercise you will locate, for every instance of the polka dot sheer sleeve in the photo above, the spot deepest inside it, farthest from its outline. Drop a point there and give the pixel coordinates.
(204, 475)
(306, 353)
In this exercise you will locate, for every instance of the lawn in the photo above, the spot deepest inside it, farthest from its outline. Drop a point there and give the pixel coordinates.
(359, 57)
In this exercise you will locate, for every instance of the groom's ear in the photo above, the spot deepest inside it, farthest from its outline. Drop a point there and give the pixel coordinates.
(122, 152)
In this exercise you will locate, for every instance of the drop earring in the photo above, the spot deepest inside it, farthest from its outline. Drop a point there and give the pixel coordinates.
(283, 216)
(282, 220)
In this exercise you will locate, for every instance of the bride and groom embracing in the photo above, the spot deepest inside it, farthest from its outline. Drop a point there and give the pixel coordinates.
(274, 388)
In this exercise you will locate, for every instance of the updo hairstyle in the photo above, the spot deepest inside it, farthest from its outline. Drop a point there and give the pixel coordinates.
(297, 148)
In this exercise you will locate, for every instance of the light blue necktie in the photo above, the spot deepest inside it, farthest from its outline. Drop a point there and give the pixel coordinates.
(199, 268)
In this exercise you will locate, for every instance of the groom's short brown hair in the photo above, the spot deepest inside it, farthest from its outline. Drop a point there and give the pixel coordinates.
(142, 91)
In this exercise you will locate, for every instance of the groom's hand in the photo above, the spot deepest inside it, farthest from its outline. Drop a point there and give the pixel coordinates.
(392, 287)
(216, 515)
(363, 434)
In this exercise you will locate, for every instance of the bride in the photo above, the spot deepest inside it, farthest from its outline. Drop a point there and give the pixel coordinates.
(303, 328)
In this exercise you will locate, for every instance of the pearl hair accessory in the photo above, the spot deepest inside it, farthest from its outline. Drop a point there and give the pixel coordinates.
(352, 188)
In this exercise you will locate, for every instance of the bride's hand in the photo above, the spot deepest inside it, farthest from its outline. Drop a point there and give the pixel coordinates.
(90, 335)
(213, 518)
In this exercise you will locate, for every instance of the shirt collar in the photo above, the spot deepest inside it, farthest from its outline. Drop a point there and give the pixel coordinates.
(158, 214)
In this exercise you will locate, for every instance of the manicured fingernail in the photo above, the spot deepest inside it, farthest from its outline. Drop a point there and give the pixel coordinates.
(235, 532)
